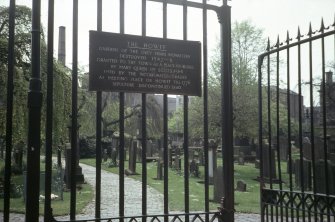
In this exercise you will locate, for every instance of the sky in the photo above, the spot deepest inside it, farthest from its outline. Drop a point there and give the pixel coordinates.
(275, 17)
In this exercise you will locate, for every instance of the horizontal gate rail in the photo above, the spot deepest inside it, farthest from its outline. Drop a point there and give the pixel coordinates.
(171, 217)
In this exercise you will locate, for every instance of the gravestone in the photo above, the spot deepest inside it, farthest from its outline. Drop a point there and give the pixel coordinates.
(177, 163)
(257, 164)
(241, 186)
(105, 155)
(67, 174)
(320, 177)
(132, 158)
(191, 154)
(149, 149)
(306, 178)
(307, 148)
(159, 169)
(18, 154)
(240, 158)
(201, 157)
(139, 155)
(59, 157)
(113, 158)
(218, 184)
(269, 164)
(318, 149)
(194, 168)
(212, 160)
(283, 148)
(170, 155)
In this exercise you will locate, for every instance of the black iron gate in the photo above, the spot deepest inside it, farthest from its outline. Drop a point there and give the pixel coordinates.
(35, 105)
(296, 134)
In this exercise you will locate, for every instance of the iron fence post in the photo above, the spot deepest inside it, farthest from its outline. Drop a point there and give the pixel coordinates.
(227, 210)
(34, 128)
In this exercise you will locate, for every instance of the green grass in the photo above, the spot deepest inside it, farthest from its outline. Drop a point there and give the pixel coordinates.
(60, 207)
(244, 201)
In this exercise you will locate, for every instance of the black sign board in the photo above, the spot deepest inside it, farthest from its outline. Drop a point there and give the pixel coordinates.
(129, 63)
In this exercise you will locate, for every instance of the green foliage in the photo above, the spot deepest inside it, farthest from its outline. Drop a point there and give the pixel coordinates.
(247, 43)
(22, 73)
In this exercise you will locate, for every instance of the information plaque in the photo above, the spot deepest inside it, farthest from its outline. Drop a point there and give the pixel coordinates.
(129, 63)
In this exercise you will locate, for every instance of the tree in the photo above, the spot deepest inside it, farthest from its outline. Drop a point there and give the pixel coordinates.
(22, 73)
(247, 43)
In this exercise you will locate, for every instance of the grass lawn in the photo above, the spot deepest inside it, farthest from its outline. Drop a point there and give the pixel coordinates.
(245, 201)
(60, 207)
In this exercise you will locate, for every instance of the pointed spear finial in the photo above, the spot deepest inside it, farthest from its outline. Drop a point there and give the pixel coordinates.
(299, 33)
(288, 37)
(277, 44)
(310, 32)
(268, 46)
(322, 29)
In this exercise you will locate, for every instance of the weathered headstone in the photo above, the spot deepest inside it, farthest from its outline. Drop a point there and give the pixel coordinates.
(240, 158)
(18, 154)
(105, 155)
(269, 164)
(67, 174)
(138, 155)
(59, 157)
(201, 157)
(194, 168)
(149, 149)
(241, 186)
(159, 170)
(218, 184)
(304, 179)
(283, 148)
(212, 164)
(306, 148)
(177, 163)
(170, 155)
(114, 157)
(320, 177)
(257, 164)
(132, 158)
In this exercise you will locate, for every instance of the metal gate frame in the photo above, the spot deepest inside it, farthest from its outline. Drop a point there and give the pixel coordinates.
(293, 204)
(35, 103)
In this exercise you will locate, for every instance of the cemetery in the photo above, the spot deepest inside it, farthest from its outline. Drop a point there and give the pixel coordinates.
(165, 110)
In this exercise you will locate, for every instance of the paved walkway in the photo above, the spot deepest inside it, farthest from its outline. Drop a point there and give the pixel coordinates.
(133, 198)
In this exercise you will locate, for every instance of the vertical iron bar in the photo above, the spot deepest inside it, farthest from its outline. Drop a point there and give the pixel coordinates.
(144, 129)
(324, 117)
(121, 129)
(9, 111)
(74, 113)
(289, 124)
(260, 132)
(98, 129)
(224, 15)
(205, 75)
(34, 128)
(186, 172)
(312, 114)
(49, 114)
(269, 126)
(302, 181)
(278, 141)
(166, 131)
